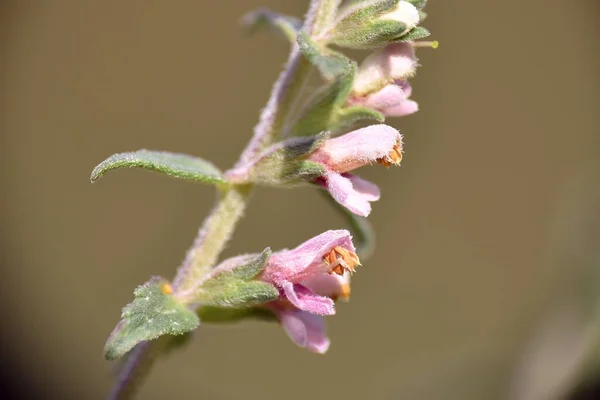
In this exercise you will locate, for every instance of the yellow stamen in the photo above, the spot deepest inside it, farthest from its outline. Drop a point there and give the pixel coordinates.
(166, 288)
(393, 158)
(341, 260)
(345, 294)
(434, 44)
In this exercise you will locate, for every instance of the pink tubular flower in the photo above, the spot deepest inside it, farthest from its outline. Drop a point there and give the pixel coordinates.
(375, 143)
(392, 101)
(394, 62)
(310, 277)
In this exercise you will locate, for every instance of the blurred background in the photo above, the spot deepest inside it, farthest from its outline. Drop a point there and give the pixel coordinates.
(485, 280)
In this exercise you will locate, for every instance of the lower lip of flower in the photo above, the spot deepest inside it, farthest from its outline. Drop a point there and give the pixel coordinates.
(340, 260)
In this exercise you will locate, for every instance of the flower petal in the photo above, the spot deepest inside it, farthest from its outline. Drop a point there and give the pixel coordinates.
(305, 329)
(306, 300)
(405, 86)
(357, 148)
(368, 190)
(330, 285)
(306, 260)
(354, 199)
(406, 108)
(390, 96)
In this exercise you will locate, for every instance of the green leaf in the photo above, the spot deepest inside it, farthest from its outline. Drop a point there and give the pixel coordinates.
(154, 312)
(173, 164)
(348, 117)
(362, 231)
(329, 63)
(284, 25)
(235, 293)
(415, 33)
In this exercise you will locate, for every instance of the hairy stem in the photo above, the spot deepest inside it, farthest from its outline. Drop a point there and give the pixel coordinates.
(220, 224)
(272, 117)
(212, 237)
(135, 368)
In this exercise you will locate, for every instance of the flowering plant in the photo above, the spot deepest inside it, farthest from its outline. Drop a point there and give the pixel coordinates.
(338, 129)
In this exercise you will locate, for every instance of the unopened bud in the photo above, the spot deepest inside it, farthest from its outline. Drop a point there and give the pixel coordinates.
(394, 62)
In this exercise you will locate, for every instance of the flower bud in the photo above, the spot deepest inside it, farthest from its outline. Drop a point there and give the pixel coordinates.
(372, 24)
(392, 101)
(394, 62)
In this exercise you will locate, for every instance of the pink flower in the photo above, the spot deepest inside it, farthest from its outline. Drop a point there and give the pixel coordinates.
(393, 100)
(375, 143)
(292, 271)
(337, 157)
(310, 277)
(396, 61)
(305, 329)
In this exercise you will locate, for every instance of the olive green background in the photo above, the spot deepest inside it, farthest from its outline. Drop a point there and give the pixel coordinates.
(470, 229)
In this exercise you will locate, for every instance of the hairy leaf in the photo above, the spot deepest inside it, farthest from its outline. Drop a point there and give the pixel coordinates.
(173, 164)
(154, 312)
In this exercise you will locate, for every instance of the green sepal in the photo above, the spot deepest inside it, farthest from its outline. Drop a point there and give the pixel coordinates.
(348, 117)
(287, 164)
(235, 293)
(357, 13)
(250, 270)
(284, 25)
(330, 63)
(422, 16)
(371, 35)
(154, 312)
(415, 33)
(307, 171)
(419, 4)
(321, 112)
(361, 25)
(173, 164)
(327, 111)
(217, 315)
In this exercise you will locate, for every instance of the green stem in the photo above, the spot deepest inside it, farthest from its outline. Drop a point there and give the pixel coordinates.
(212, 237)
